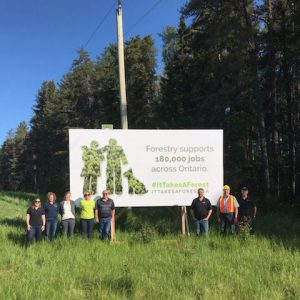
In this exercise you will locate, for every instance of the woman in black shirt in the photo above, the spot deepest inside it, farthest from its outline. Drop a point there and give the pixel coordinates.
(35, 221)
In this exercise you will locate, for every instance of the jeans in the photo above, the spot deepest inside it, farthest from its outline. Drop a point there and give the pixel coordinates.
(34, 232)
(51, 226)
(201, 227)
(68, 227)
(227, 222)
(104, 228)
(87, 227)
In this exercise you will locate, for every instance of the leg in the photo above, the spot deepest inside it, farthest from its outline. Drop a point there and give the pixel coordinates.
(106, 228)
(65, 225)
(71, 227)
(204, 225)
(83, 224)
(53, 229)
(38, 233)
(101, 227)
(197, 222)
(48, 229)
(90, 225)
(223, 224)
(118, 179)
(30, 236)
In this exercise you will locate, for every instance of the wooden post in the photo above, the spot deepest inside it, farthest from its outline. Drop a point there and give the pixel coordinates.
(113, 228)
(183, 216)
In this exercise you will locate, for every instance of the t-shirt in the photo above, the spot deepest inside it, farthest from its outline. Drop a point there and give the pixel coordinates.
(51, 211)
(235, 203)
(201, 208)
(105, 207)
(246, 206)
(87, 209)
(35, 216)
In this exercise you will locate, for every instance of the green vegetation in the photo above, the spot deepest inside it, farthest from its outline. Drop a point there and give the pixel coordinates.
(147, 263)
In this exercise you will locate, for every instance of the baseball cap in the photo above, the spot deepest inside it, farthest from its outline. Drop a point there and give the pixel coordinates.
(226, 187)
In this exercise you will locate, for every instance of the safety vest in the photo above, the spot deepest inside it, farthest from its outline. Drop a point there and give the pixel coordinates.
(230, 204)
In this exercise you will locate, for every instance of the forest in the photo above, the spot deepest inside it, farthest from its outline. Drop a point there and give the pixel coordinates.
(231, 65)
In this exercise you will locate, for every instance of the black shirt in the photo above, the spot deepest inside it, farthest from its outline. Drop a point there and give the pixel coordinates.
(201, 208)
(105, 207)
(246, 207)
(35, 216)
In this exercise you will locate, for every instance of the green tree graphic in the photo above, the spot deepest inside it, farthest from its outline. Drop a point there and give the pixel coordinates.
(134, 185)
(115, 157)
(92, 158)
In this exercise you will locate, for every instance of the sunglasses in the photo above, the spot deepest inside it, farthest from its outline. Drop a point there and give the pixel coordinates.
(87, 195)
(37, 201)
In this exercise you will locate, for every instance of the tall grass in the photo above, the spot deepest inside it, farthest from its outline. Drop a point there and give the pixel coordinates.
(169, 266)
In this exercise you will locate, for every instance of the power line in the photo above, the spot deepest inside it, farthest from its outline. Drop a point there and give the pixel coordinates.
(143, 16)
(100, 24)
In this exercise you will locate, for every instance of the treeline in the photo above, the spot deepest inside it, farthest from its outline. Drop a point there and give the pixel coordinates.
(229, 64)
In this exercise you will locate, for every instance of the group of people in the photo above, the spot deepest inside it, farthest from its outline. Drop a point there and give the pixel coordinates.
(230, 211)
(45, 218)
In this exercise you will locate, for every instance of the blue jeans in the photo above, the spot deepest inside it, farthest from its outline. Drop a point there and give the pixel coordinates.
(87, 228)
(201, 227)
(34, 232)
(51, 226)
(227, 222)
(104, 227)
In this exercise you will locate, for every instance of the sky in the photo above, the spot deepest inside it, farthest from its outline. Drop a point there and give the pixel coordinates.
(39, 40)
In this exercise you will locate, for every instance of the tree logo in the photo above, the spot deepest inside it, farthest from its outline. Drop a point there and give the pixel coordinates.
(93, 157)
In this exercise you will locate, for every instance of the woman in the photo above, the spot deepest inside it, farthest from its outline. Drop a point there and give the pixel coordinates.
(87, 206)
(51, 214)
(67, 212)
(35, 221)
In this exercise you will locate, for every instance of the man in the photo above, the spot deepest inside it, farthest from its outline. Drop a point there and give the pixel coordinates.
(201, 211)
(105, 209)
(247, 211)
(227, 211)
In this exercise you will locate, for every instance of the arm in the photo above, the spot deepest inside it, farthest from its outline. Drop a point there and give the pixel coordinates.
(192, 213)
(208, 216)
(27, 221)
(254, 211)
(43, 222)
(96, 215)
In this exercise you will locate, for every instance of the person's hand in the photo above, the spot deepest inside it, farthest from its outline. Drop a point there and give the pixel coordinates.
(219, 219)
(28, 227)
(205, 219)
(97, 221)
(43, 227)
(235, 220)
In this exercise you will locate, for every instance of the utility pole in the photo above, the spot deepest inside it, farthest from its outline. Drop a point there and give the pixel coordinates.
(124, 120)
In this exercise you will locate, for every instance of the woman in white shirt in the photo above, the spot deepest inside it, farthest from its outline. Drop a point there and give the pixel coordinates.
(67, 211)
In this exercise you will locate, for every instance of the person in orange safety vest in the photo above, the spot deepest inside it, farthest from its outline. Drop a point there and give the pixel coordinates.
(227, 211)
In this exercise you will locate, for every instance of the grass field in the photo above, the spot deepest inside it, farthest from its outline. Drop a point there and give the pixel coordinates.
(148, 265)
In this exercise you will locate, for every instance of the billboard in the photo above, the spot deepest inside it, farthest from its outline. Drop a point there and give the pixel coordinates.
(146, 167)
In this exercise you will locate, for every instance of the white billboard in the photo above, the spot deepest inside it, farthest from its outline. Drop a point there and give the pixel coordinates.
(146, 167)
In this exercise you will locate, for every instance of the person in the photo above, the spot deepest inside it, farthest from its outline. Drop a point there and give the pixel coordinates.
(87, 206)
(105, 209)
(67, 212)
(35, 222)
(227, 211)
(51, 214)
(201, 211)
(247, 210)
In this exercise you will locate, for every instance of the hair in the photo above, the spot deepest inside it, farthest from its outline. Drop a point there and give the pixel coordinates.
(87, 192)
(200, 189)
(32, 203)
(54, 196)
(66, 193)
